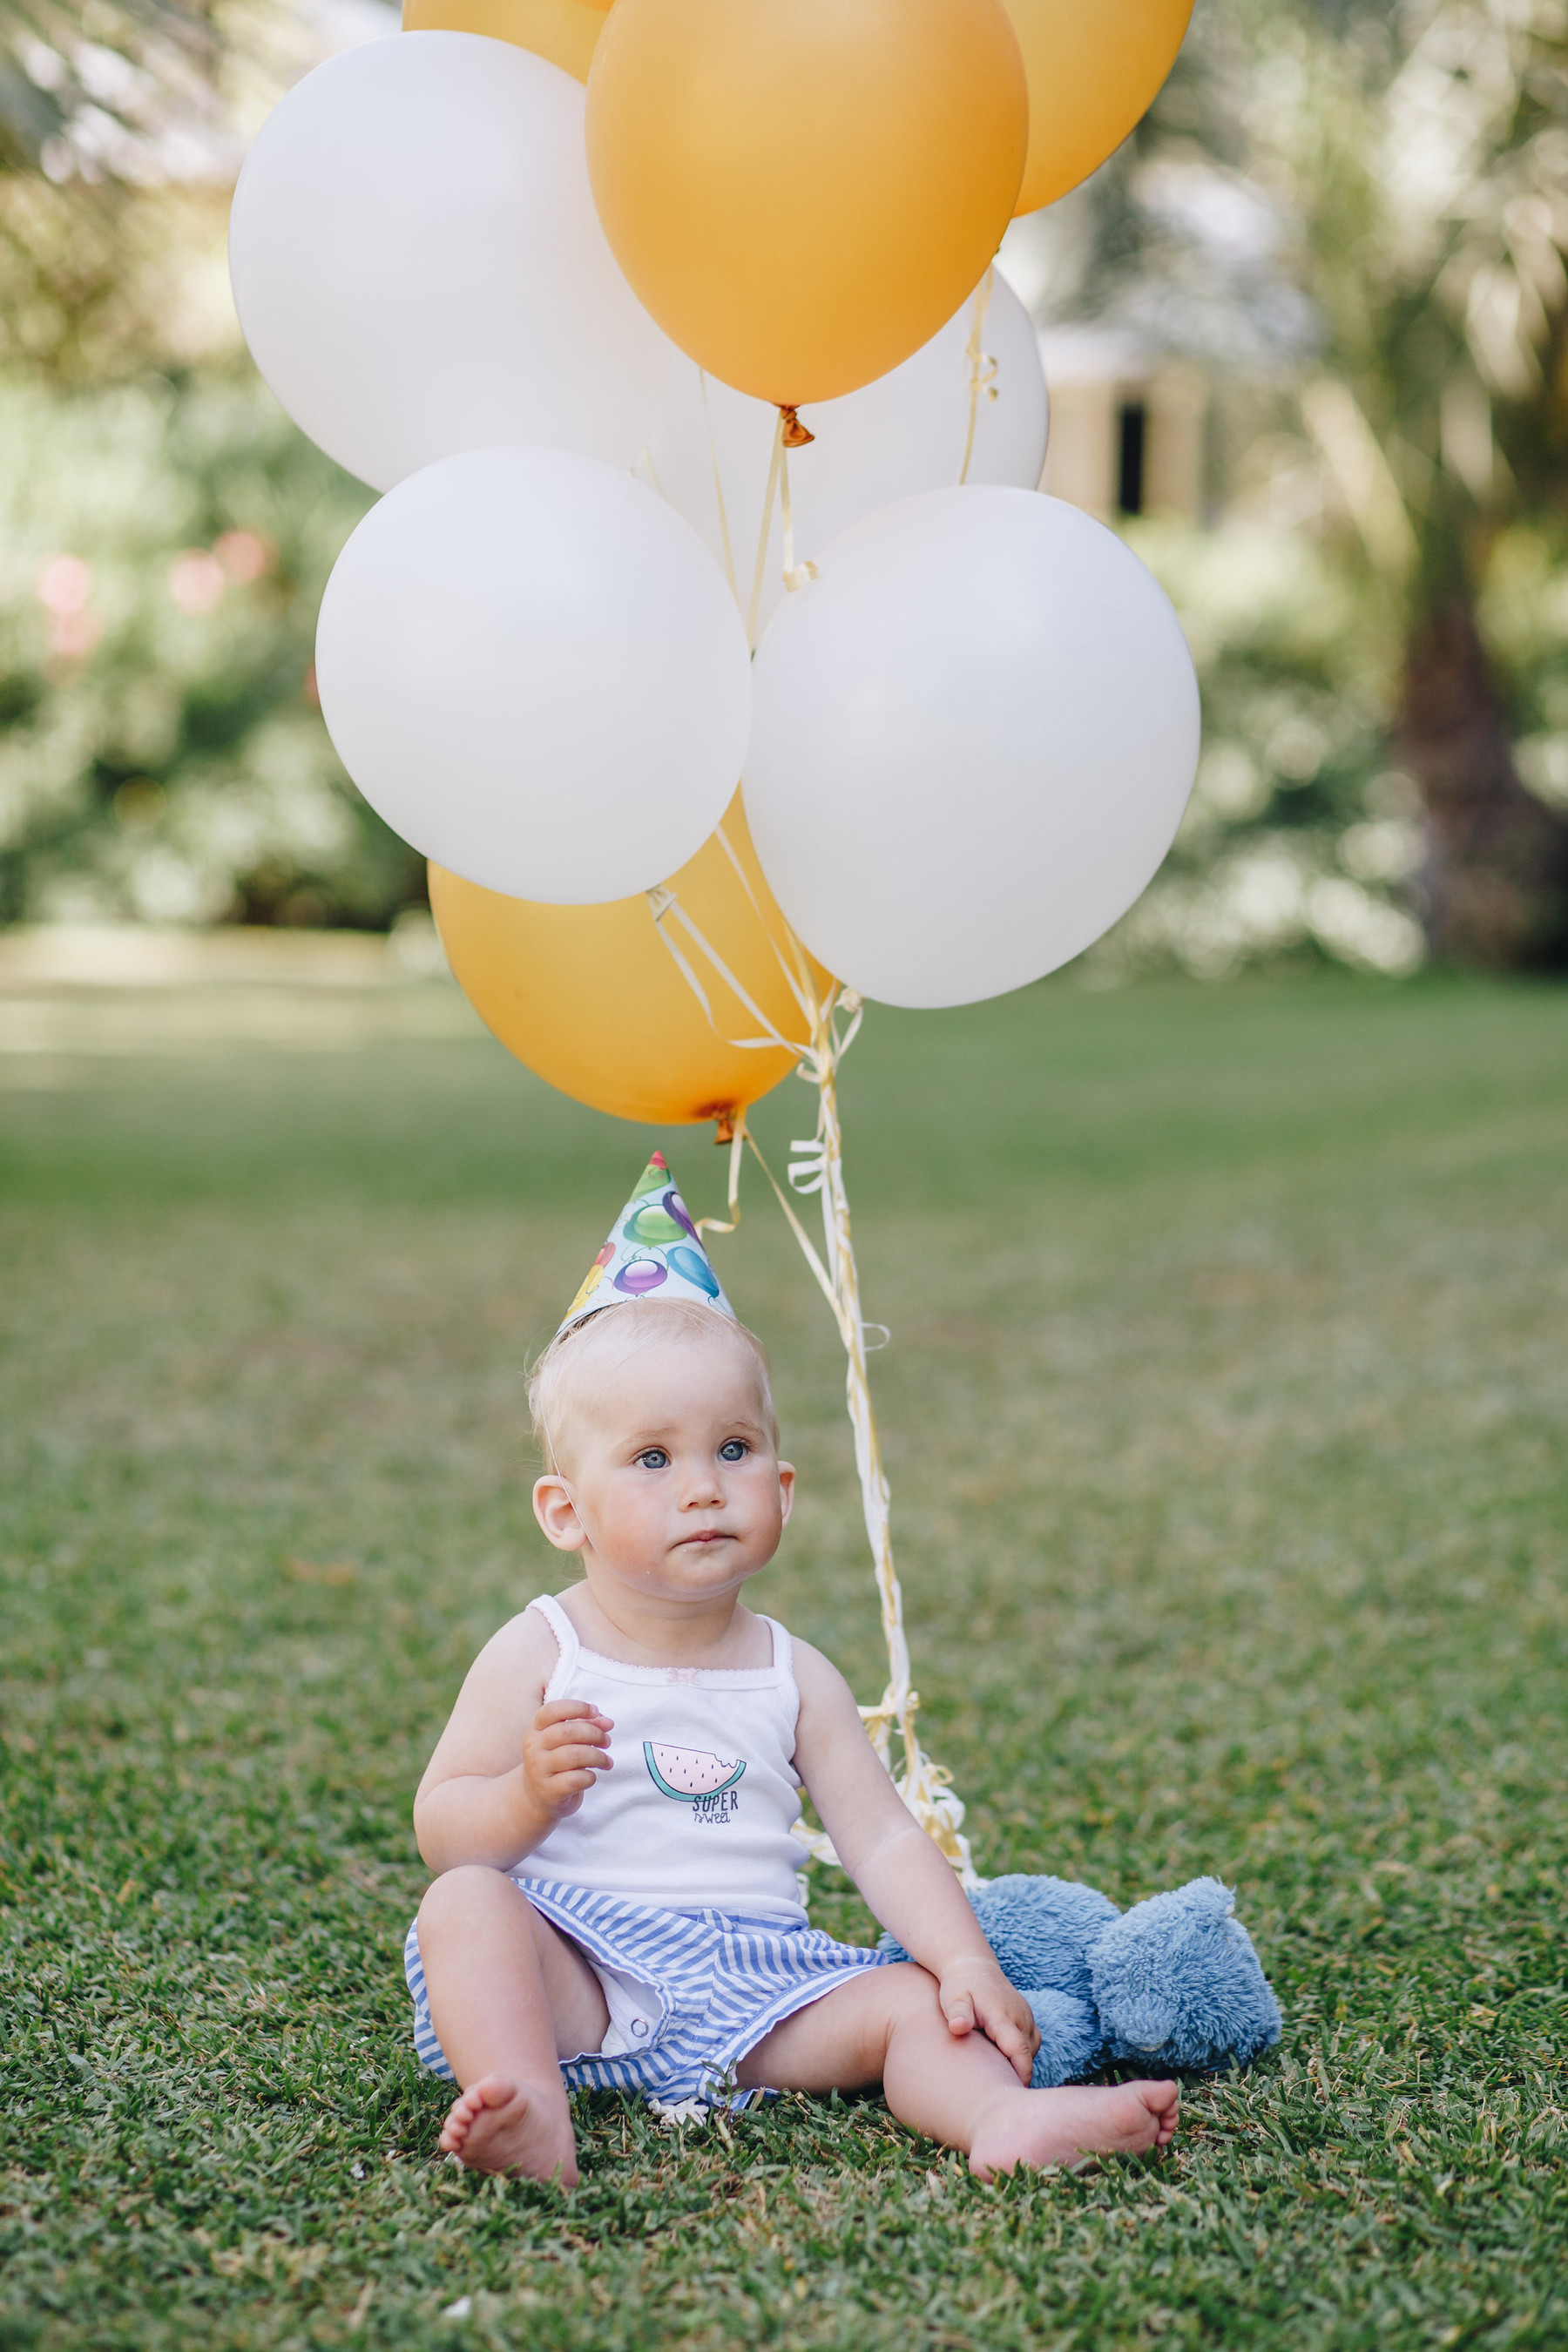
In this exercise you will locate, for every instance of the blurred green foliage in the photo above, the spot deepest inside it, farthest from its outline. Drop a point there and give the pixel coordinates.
(165, 533)
(1300, 835)
(161, 756)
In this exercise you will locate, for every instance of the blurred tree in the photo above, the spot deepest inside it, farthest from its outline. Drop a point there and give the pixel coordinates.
(93, 79)
(1404, 168)
(116, 154)
(163, 551)
(165, 533)
(1428, 152)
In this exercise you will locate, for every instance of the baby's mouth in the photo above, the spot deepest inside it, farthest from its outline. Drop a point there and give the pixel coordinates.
(708, 1536)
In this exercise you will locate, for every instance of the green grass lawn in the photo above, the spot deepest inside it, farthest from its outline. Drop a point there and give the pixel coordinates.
(1225, 1415)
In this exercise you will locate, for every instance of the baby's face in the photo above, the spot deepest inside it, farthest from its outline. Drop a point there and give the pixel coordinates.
(672, 1482)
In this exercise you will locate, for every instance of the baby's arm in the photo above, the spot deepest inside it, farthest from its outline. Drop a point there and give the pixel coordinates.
(508, 1767)
(905, 1880)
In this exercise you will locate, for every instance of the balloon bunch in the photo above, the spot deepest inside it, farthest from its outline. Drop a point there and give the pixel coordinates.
(614, 357)
(710, 444)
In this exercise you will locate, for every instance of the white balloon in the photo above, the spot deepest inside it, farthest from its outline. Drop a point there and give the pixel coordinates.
(904, 433)
(974, 737)
(536, 673)
(418, 266)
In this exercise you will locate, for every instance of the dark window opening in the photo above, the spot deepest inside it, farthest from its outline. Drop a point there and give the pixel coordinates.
(1132, 425)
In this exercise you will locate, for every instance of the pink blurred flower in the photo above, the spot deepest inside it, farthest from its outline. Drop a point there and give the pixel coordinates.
(72, 634)
(198, 581)
(64, 584)
(246, 555)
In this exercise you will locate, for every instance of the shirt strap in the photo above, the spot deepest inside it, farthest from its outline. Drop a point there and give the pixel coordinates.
(567, 1640)
(784, 1648)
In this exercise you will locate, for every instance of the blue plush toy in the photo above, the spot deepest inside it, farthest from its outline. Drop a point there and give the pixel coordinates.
(1173, 1982)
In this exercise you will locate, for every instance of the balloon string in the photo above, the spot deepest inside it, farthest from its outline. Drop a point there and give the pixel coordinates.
(718, 488)
(768, 496)
(663, 903)
(823, 1279)
(645, 458)
(786, 513)
(738, 1141)
(791, 982)
(922, 1784)
(796, 575)
(659, 901)
(981, 371)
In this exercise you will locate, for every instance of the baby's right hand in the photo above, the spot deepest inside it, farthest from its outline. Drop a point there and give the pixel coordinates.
(567, 1743)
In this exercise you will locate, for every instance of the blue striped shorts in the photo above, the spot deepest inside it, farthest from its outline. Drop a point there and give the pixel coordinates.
(718, 1983)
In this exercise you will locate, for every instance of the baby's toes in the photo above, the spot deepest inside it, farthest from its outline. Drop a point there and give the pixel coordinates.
(1163, 2102)
(459, 2122)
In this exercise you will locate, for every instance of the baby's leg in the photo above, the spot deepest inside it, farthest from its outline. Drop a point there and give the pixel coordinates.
(509, 1996)
(886, 2026)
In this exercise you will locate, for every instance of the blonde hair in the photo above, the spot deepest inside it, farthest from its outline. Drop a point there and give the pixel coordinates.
(557, 1379)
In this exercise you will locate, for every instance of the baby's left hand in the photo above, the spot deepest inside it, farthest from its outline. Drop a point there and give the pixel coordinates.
(974, 1993)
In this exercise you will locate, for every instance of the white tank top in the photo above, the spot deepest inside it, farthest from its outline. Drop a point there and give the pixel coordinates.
(696, 1813)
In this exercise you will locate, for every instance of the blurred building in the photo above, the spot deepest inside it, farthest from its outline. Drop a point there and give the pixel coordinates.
(1127, 424)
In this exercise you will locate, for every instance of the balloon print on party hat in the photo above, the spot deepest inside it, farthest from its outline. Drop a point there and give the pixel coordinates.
(655, 1251)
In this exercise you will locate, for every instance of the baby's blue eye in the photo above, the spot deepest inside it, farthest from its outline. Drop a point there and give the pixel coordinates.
(734, 1449)
(653, 1458)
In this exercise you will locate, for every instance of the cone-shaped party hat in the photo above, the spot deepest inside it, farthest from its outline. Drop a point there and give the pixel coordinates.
(655, 1251)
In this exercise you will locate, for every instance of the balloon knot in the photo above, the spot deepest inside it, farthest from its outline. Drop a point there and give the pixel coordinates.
(725, 1126)
(796, 434)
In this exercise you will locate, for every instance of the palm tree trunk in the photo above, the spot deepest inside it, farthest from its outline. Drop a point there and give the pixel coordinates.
(1494, 885)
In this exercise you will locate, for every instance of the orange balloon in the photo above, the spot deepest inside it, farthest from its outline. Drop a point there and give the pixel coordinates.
(590, 998)
(1094, 71)
(564, 31)
(802, 192)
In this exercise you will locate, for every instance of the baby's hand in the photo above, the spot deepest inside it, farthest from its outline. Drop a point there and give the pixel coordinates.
(567, 1743)
(974, 1993)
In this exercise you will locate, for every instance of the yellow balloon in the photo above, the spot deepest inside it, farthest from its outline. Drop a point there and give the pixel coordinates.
(591, 999)
(1095, 68)
(802, 192)
(564, 31)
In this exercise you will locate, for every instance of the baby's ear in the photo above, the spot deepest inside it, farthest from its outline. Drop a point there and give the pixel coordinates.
(557, 1513)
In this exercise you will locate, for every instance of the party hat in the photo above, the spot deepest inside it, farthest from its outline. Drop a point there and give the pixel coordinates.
(655, 1251)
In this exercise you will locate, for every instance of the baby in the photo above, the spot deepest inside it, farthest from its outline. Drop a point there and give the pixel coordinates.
(609, 1809)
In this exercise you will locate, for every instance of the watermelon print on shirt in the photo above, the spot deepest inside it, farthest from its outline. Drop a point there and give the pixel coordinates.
(691, 1776)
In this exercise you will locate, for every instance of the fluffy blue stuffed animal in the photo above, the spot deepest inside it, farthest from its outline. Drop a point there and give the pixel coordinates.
(1173, 1982)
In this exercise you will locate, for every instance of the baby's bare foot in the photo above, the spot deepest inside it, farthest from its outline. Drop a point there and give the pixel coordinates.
(1072, 2126)
(501, 2127)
